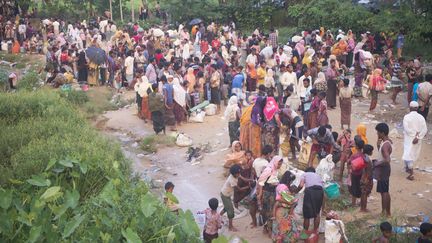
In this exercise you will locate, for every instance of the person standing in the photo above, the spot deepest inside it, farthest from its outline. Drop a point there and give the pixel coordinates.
(129, 68)
(396, 79)
(345, 95)
(331, 76)
(415, 129)
(313, 198)
(424, 91)
(382, 167)
(151, 71)
(400, 41)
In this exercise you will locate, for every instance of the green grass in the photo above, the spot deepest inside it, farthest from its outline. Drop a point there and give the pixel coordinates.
(99, 100)
(151, 143)
(360, 231)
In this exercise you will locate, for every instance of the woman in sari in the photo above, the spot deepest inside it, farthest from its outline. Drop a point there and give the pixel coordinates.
(157, 108)
(270, 129)
(257, 119)
(179, 105)
(232, 114)
(322, 117)
(245, 126)
(284, 225)
(375, 80)
(345, 95)
(190, 78)
(320, 83)
(143, 88)
(313, 111)
(237, 155)
(266, 191)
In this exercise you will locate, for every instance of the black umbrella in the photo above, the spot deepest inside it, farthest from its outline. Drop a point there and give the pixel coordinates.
(195, 21)
(96, 55)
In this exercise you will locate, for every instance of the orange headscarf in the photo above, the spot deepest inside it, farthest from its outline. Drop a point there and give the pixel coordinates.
(361, 131)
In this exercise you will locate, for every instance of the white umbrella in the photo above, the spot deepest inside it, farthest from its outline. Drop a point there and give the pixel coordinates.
(158, 32)
(296, 38)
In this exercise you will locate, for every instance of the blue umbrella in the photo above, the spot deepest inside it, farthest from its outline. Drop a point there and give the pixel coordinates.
(96, 55)
(195, 21)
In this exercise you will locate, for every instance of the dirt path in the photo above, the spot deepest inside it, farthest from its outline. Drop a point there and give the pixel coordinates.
(195, 184)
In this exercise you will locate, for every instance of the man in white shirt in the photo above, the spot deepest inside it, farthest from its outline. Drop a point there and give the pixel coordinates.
(288, 78)
(252, 58)
(415, 129)
(261, 163)
(129, 67)
(301, 89)
(56, 26)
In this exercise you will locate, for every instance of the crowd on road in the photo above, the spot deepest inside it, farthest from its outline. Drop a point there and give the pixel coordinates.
(269, 88)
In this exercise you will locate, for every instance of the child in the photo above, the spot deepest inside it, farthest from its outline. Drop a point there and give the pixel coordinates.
(426, 230)
(169, 199)
(195, 96)
(386, 230)
(346, 143)
(213, 221)
(227, 192)
(366, 181)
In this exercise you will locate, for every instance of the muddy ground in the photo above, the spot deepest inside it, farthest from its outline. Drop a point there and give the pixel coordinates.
(196, 182)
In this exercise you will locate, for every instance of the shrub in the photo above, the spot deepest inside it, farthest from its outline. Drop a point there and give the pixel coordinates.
(76, 97)
(62, 182)
(29, 82)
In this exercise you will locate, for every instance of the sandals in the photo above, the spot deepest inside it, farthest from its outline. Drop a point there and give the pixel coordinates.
(410, 177)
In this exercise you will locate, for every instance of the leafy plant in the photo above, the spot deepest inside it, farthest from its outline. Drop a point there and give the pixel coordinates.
(76, 97)
(29, 82)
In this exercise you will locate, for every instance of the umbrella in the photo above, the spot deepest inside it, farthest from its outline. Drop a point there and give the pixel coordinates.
(296, 38)
(158, 32)
(95, 55)
(195, 21)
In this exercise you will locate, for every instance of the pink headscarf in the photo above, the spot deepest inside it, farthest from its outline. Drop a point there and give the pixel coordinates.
(270, 170)
(270, 108)
(300, 47)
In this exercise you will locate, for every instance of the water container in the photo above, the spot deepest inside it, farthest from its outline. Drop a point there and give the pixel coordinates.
(332, 191)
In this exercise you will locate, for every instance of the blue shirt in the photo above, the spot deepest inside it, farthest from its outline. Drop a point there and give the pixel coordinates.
(237, 81)
(414, 93)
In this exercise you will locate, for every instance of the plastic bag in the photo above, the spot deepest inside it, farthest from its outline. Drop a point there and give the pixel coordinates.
(197, 117)
(183, 140)
(325, 168)
(210, 110)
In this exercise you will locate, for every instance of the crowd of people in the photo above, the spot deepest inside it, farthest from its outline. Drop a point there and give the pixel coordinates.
(268, 86)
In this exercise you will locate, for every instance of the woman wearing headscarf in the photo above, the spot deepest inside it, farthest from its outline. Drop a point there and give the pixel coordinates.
(269, 81)
(284, 227)
(257, 120)
(266, 190)
(143, 89)
(350, 49)
(179, 107)
(320, 83)
(237, 155)
(307, 59)
(345, 95)
(270, 128)
(245, 126)
(361, 132)
(300, 47)
(190, 78)
(82, 67)
(232, 114)
(376, 84)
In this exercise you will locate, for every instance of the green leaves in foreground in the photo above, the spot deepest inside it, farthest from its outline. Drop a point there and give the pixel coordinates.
(131, 236)
(5, 198)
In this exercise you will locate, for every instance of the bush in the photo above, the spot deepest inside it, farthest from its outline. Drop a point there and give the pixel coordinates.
(76, 97)
(62, 182)
(30, 81)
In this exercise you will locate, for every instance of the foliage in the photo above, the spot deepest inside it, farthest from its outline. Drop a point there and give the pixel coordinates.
(30, 81)
(150, 143)
(4, 83)
(76, 97)
(61, 181)
(359, 231)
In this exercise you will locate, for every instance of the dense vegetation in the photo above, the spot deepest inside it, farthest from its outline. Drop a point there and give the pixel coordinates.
(62, 181)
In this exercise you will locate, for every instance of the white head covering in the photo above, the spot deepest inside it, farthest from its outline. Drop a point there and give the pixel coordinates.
(414, 104)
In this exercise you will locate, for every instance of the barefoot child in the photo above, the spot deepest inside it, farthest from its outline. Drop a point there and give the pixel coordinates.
(213, 221)
(386, 230)
(170, 200)
(366, 181)
(227, 192)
